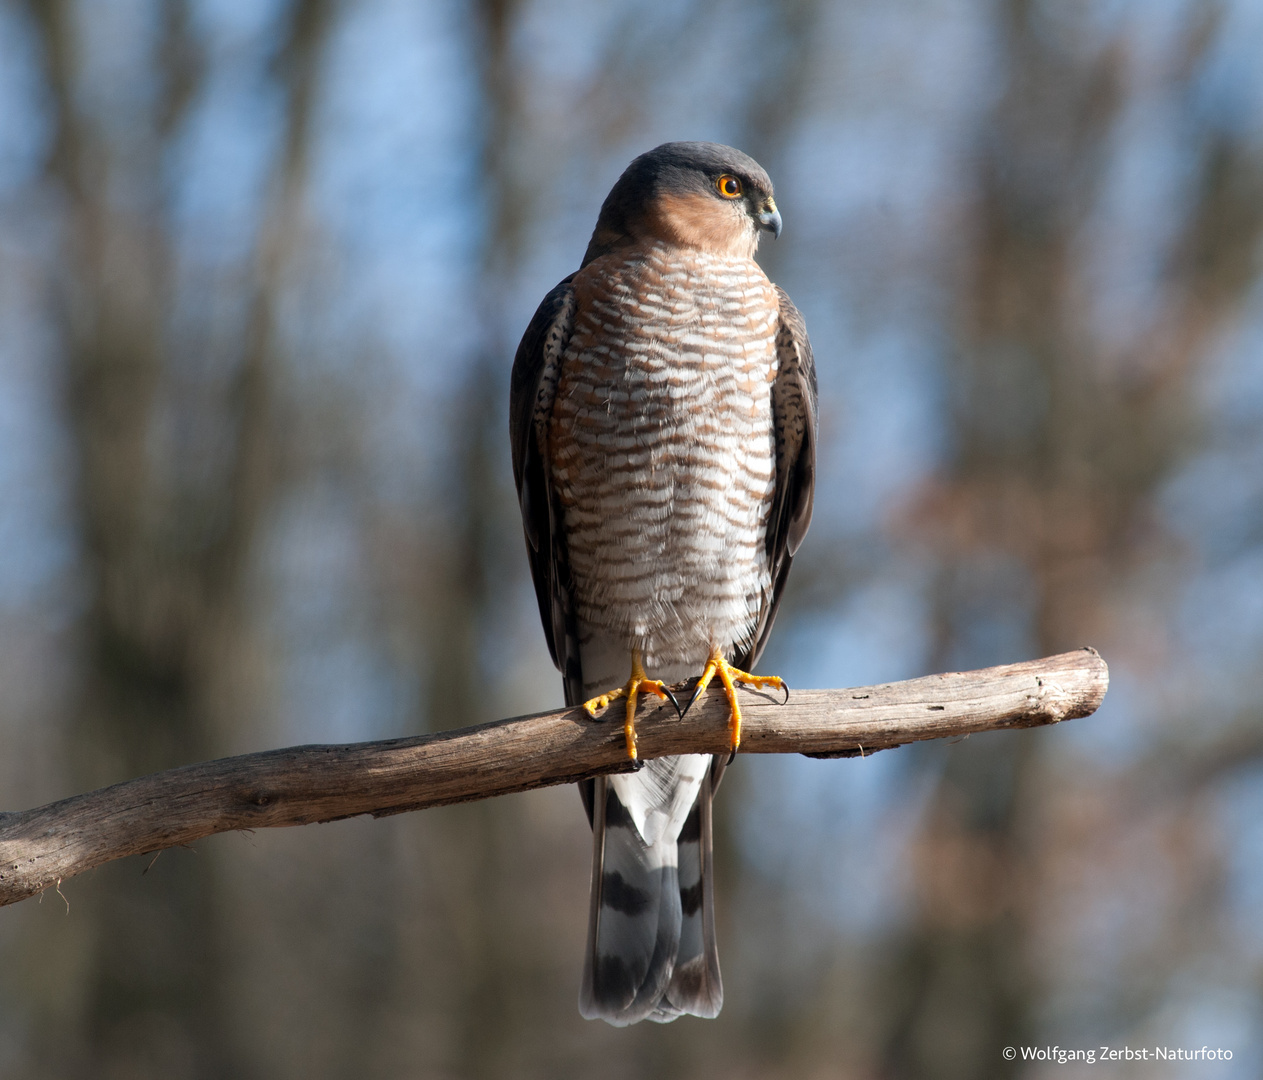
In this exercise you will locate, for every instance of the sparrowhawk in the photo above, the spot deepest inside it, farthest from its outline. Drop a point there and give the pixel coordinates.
(663, 424)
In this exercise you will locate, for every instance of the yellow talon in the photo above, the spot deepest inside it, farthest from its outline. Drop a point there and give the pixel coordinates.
(631, 691)
(730, 676)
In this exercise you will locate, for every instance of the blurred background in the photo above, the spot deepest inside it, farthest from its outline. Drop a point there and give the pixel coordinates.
(262, 270)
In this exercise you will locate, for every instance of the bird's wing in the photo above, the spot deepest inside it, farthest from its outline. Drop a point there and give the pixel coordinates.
(794, 418)
(536, 369)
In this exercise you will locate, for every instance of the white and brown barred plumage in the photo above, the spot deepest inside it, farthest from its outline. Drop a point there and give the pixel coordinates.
(663, 428)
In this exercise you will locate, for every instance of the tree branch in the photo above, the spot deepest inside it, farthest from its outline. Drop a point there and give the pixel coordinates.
(306, 784)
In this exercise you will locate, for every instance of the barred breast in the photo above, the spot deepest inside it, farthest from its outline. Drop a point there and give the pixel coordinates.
(662, 455)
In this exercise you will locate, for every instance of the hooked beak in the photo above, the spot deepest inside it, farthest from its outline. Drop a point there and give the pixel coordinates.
(770, 219)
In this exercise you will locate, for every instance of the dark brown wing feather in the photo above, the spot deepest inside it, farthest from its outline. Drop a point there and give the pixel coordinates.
(794, 415)
(531, 391)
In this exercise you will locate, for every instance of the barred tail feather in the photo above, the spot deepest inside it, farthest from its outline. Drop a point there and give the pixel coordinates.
(696, 986)
(634, 917)
(651, 942)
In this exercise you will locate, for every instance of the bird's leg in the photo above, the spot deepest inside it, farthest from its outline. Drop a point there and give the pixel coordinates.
(730, 676)
(631, 691)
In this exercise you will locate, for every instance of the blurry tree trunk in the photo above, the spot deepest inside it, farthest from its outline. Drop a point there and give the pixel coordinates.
(139, 707)
(1059, 449)
(479, 997)
(163, 577)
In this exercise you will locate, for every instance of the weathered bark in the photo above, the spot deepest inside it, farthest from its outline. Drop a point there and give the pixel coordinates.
(306, 784)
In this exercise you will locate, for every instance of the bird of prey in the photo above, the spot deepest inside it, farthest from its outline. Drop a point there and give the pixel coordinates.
(663, 420)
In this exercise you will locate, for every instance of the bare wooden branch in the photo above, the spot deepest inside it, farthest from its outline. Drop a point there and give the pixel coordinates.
(306, 784)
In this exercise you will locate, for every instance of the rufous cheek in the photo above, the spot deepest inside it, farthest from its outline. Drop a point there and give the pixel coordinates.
(702, 221)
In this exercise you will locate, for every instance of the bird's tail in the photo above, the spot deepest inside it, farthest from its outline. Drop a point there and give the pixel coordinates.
(651, 928)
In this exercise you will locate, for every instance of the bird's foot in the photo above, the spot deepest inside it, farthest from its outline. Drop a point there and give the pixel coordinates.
(730, 676)
(638, 682)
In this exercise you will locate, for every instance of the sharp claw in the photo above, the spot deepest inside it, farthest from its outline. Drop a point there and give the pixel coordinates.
(785, 687)
(697, 692)
(675, 703)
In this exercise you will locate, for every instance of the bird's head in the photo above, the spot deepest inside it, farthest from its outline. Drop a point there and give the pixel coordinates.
(699, 195)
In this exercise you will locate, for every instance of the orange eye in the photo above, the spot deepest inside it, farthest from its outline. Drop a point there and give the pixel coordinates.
(728, 186)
